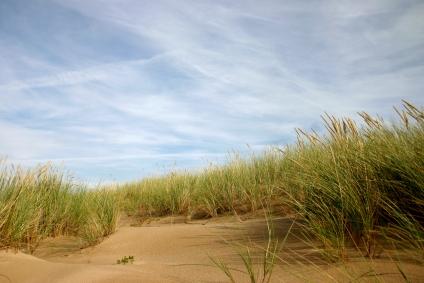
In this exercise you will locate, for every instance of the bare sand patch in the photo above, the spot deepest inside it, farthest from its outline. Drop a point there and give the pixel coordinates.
(174, 250)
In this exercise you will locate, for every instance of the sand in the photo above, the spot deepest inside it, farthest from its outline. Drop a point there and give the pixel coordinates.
(170, 250)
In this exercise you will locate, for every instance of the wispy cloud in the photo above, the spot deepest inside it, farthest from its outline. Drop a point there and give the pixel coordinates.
(95, 73)
(112, 87)
(22, 142)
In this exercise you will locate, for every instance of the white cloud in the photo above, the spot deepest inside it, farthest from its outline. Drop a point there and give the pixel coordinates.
(101, 72)
(21, 142)
(221, 74)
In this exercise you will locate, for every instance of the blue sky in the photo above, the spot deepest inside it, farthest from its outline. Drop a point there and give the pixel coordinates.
(121, 89)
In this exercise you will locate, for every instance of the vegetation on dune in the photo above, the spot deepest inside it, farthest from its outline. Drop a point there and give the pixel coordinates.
(351, 186)
(239, 186)
(125, 260)
(41, 202)
(355, 185)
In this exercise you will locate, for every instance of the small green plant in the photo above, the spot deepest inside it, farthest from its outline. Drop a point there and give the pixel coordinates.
(125, 260)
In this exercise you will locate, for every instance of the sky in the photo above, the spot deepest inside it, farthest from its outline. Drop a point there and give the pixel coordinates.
(114, 90)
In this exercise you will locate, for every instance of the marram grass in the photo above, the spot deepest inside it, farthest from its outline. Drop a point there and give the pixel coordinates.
(41, 202)
(353, 186)
(359, 184)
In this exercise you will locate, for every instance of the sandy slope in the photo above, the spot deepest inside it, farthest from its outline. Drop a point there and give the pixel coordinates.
(164, 252)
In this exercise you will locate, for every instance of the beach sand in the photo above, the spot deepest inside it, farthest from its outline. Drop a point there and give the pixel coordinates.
(173, 250)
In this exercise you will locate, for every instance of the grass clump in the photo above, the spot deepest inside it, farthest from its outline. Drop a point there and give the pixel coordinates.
(239, 186)
(41, 202)
(354, 186)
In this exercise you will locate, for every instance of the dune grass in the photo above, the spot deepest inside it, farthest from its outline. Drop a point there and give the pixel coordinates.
(360, 186)
(357, 185)
(41, 202)
(239, 186)
(353, 186)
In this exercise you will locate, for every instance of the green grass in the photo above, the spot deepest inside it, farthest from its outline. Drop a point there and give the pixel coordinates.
(41, 202)
(360, 186)
(350, 186)
(239, 186)
(356, 185)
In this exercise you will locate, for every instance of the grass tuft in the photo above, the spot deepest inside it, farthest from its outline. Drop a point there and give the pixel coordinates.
(41, 202)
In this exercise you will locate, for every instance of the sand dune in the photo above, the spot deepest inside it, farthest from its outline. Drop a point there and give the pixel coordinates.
(164, 251)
